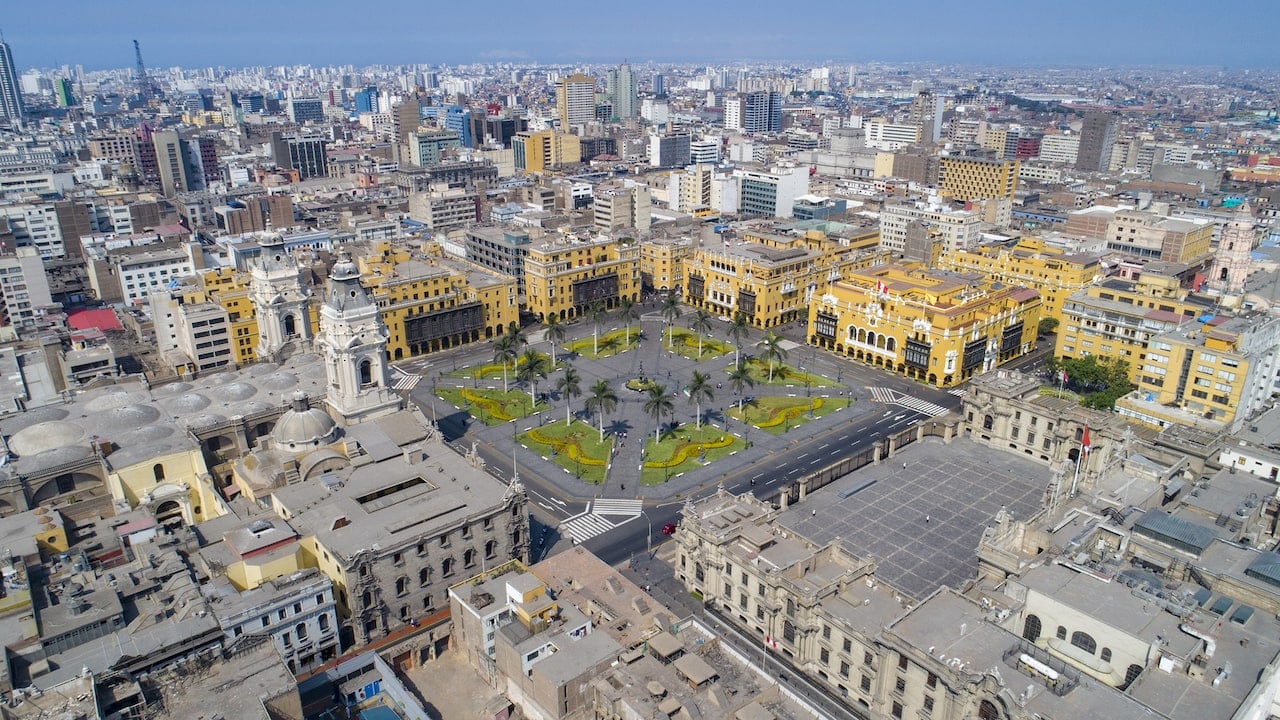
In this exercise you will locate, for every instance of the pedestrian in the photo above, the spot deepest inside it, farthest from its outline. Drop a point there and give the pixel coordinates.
(904, 466)
(926, 519)
(815, 512)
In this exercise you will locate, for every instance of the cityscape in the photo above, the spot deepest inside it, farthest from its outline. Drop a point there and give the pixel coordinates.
(709, 363)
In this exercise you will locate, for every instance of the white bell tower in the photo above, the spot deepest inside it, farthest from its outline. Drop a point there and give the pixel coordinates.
(280, 302)
(1234, 259)
(353, 340)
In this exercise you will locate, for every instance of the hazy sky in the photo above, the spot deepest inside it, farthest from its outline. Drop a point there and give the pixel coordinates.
(98, 33)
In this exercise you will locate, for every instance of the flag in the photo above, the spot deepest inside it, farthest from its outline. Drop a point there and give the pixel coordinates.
(1062, 376)
(726, 242)
(1085, 445)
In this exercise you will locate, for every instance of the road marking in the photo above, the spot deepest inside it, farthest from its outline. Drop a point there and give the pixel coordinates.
(805, 455)
(824, 446)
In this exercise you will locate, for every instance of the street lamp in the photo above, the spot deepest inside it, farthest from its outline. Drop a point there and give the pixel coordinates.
(648, 538)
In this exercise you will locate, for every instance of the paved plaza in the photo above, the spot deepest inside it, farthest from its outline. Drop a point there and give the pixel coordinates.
(922, 522)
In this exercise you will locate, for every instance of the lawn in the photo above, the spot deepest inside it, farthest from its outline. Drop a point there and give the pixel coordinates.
(686, 344)
(610, 343)
(576, 447)
(491, 407)
(776, 415)
(492, 371)
(678, 452)
(785, 375)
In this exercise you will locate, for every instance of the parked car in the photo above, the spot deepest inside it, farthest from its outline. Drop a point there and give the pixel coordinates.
(669, 529)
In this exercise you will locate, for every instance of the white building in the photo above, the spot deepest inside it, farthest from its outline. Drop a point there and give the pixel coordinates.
(884, 135)
(297, 610)
(770, 194)
(1060, 148)
(23, 288)
(959, 229)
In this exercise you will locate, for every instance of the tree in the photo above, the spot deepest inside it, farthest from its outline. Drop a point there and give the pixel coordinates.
(771, 350)
(555, 332)
(627, 312)
(609, 345)
(740, 379)
(739, 329)
(1047, 325)
(532, 366)
(568, 385)
(596, 313)
(671, 312)
(601, 399)
(699, 390)
(505, 349)
(658, 404)
(700, 324)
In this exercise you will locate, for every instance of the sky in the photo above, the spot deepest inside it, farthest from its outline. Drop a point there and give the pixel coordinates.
(235, 33)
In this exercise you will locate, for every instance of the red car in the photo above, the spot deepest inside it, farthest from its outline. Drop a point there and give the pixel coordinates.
(669, 529)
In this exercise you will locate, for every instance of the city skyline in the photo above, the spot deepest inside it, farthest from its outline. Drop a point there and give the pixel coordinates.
(986, 32)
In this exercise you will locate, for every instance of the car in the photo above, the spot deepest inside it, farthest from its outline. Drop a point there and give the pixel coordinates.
(669, 529)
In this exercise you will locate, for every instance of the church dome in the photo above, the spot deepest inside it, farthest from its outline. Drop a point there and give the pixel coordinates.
(302, 427)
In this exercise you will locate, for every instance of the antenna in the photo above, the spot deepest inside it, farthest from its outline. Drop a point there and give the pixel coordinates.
(146, 88)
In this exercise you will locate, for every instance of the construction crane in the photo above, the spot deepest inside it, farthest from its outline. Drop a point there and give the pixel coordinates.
(146, 88)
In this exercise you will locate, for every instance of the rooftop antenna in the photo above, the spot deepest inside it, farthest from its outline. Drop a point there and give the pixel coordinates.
(145, 87)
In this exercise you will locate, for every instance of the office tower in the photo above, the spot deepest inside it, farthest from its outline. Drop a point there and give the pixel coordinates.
(426, 147)
(10, 92)
(458, 119)
(185, 163)
(252, 103)
(62, 92)
(659, 84)
(302, 110)
(367, 100)
(407, 117)
(576, 99)
(669, 150)
(755, 112)
(620, 86)
(967, 178)
(539, 151)
(305, 153)
(1097, 136)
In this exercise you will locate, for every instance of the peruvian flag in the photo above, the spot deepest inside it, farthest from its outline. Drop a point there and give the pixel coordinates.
(881, 288)
(1062, 379)
(768, 640)
(1085, 444)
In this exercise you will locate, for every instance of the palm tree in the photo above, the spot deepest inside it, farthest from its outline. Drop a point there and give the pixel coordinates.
(601, 399)
(505, 349)
(596, 312)
(627, 312)
(771, 350)
(737, 330)
(740, 379)
(518, 341)
(609, 345)
(671, 312)
(555, 333)
(699, 390)
(658, 404)
(700, 324)
(531, 366)
(568, 385)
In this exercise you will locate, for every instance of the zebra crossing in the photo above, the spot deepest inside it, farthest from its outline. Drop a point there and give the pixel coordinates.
(889, 396)
(959, 392)
(596, 520)
(407, 382)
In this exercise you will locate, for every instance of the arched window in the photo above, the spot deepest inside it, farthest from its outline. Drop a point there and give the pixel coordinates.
(324, 623)
(788, 631)
(290, 326)
(891, 345)
(1084, 641)
(1031, 628)
(402, 585)
(366, 599)
(987, 711)
(158, 471)
(490, 548)
(300, 630)
(366, 372)
(1106, 654)
(469, 558)
(446, 567)
(1130, 675)
(988, 422)
(424, 576)
(1062, 633)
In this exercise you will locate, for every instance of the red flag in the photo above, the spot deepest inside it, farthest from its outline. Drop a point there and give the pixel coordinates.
(1085, 445)
(1062, 376)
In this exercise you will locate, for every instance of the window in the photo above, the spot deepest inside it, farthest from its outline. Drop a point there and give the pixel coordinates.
(446, 567)
(788, 631)
(931, 682)
(402, 586)
(1031, 628)
(469, 558)
(987, 711)
(866, 658)
(824, 656)
(1084, 641)
(928, 705)
(903, 663)
(844, 668)
(1062, 633)
(865, 683)
(158, 471)
(397, 559)
(848, 645)
(324, 623)
(300, 630)
(897, 709)
(1106, 654)
(491, 549)
(900, 685)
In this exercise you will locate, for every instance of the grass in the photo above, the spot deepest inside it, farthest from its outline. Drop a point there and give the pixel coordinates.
(785, 375)
(611, 343)
(576, 447)
(686, 344)
(491, 407)
(1047, 391)
(492, 371)
(776, 415)
(640, 386)
(678, 452)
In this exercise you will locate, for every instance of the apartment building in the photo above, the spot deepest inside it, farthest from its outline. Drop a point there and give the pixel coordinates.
(966, 178)
(956, 229)
(565, 276)
(1029, 262)
(621, 208)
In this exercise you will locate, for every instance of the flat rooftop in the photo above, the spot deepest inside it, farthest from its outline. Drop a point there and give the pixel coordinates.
(922, 522)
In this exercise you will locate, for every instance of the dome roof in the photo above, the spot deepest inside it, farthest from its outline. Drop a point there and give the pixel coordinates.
(191, 402)
(113, 399)
(303, 427)
(280, 381)
(131, 415)
(237, 391)
(46, 436)
(176, 388)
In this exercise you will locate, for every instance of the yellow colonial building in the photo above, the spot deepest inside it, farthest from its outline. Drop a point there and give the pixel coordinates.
(563, 276)
(1029, 263)
(662, 261)
(769, 277)
(431, 302)
(939, 328)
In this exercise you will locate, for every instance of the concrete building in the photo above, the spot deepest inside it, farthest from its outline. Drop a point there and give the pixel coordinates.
(576, 100)
(130, 274)
(297, 611)
(966, 178)
(306, 153)
(754, 112)
(258, 213)
(933, 327)
(11, 105)
(192, 337)
(1097, 136)
(662, 261)
(957, 230)
(546, 150)
(23, 289)
(427, 147)
(1029, 263)
(304, 110)
(620, 90)
(500, 250)
(443, 208)
(564, 276)
(621, 208)
(667, 151)
(186, 163)
(770, 194)
(884, 135)
(1061, 149)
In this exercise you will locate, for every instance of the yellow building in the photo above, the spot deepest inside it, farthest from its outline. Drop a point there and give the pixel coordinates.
(1029, 263)
(662, 261)
(564, 276)
(934, 327)
(545, 150)
(175, 486)
(1117, 318)
(966, 178)
(230, 289)
(1214, 374)
(431, 302)
(771, 278)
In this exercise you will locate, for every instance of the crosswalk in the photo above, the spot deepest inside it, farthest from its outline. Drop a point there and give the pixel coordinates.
(889, 396)
(600, 517)
(959, 392)
(407, 382)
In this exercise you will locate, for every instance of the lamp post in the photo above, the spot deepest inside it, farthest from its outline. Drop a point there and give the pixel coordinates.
(648, 538)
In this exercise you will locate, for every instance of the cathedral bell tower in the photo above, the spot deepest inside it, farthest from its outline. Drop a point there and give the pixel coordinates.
(1232, 262)
(353, 341)
(280, 302)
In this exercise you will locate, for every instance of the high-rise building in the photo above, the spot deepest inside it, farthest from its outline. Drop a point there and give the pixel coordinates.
(303, 110)
(538, 151)
(1097, 136)
(755, 112)
(185, 163)
(620, 86)
(367, 99)
(62, 92)
(576, 99)
(667, 151)
(427, 147)
(966, 178)
(458, 119)
(304, 153)
(11, 107)
(659, 84)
